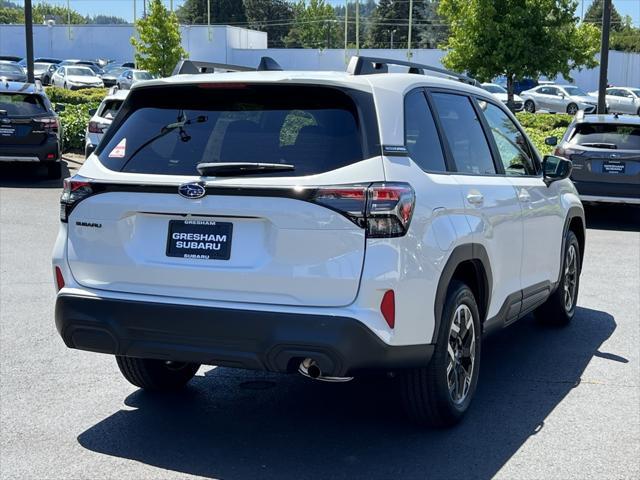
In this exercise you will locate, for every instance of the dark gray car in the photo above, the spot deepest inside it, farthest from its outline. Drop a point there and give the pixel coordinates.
(605, 151)
(12, 72)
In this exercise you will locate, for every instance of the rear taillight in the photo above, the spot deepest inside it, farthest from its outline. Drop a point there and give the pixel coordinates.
(97, 127)
(75, 189)
(384, 209)
(566, 152)
(49, 124)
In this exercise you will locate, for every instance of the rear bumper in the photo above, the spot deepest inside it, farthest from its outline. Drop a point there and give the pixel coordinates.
(31, 153)
(257, 340)
(608, 192)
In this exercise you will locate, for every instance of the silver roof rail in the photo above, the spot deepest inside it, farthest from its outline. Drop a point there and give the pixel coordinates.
(191, 67)
(359, 65)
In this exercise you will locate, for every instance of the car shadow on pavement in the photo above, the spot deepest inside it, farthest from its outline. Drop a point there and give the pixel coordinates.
(235, 424)
(613, 217)
(32, 176)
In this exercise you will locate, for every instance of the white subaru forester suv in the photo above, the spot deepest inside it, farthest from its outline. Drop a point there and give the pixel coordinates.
(331, 224)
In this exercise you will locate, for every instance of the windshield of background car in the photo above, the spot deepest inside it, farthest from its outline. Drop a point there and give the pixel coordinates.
(8, 68)
(21, 104)
(142, 75)
(81, 72)
(110, 108)
(624, 137)
(574, 91)
(494, 89)
(41, 66)
(636, 91)
(170, 130)
(115, 72)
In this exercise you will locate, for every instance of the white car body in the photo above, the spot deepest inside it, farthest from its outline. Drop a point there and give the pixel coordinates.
(556, 98)
(102, 118)
(295, 260)
(622, 99)
(129, 78)
(74, 77)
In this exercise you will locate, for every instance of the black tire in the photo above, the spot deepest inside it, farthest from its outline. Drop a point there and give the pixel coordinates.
(638, 112)
(64, 85)
(54, 170)
(560, 307)
(156, 375)
(426, 394)
(572, 109)
(529, 106)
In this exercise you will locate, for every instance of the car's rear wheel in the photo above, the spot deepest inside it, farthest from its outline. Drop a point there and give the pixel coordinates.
(529, 106)
(439, 394)
(560, 307)
(572, 109)
(54, 170)
(156, 375)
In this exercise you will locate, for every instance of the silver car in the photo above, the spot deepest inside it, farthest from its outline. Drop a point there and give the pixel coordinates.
(558, 99)
(622, 99)
(128, 78)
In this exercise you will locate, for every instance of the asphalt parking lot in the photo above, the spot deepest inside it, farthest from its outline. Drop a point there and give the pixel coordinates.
(552, 403)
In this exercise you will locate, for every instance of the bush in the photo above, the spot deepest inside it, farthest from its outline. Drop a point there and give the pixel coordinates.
(75, 97)
(539, 126)
(75, 119)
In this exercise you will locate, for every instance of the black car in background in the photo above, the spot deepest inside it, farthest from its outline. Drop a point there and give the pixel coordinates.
(11, 71)
(605, 151)
(30, 130)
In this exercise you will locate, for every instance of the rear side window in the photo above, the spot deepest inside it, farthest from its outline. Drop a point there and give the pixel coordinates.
(170, 130)
(21, 104)
(464, 134)
(110, 108)
(601, 135)
(421, 136)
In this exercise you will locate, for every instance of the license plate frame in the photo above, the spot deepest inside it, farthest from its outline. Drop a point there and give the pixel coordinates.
(199, 239)
(614, 167)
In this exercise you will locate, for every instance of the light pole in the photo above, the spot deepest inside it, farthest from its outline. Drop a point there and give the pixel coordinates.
(209, 18)
(391, 32)
(346, 30)
(409, 34)
(357, 27)
(28, 31)
(604, 57)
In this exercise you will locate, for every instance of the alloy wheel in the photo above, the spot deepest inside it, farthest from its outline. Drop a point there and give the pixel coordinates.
(462, 354)
(570, 278)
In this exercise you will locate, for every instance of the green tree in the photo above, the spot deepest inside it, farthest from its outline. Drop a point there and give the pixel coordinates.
(391, 18)
(159, 47)
(106, 20)
(194, 12)
(271, 16)
(366, 11)
(594, 15)
(11, 15)
(315, 26)
(60, 14)
(433, 31)
(517, 39)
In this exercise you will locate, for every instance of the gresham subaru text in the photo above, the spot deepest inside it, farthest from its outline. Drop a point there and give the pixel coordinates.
(332, 224)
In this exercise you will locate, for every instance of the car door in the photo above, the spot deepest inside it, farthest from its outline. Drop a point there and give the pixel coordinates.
(491, 204)
(543, 98)
(540, 207)
(558, 100)
(614, 96)
(626, 102)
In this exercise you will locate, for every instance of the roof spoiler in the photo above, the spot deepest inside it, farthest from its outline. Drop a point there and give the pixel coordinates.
(359, 65)
(194, 67)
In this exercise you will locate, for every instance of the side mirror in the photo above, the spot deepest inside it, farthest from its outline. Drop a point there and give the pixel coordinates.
(551, 141)
(93, 111)
(59, 108)
(555, 168)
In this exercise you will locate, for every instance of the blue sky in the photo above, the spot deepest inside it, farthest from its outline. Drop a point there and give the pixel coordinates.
(124, 8)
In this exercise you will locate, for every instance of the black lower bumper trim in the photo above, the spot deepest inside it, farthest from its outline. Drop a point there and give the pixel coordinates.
(251, 339)
(608, 189)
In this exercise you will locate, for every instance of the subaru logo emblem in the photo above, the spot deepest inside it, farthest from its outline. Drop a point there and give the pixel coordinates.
(613, 155)
(192, 190)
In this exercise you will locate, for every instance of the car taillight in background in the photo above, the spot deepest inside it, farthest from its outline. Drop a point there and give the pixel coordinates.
(384, 209)
(49, 124)
(97, 127)
(75, 189)
(566, 152)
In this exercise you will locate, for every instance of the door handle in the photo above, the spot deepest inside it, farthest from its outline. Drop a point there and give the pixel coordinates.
(524, 196)
(475, 198)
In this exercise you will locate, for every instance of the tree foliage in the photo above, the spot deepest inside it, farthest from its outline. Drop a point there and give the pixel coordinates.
(366, 10)
(517, 39)
(271, 16)
(159, 47)
(315, 26)
(594, 15)
(11, 15)
(60, 14)
(194, 12)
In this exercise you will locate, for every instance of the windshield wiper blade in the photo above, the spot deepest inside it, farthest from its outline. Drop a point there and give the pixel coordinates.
(612, 146)
(228, 169)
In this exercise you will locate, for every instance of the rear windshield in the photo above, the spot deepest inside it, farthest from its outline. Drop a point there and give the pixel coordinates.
(142, 75)
(21, 104)
(170, 130)
(8, 68)
(110, 109)
(622, 137)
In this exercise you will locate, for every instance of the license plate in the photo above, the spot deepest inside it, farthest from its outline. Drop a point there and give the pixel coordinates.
(201, 239)
(613, 167)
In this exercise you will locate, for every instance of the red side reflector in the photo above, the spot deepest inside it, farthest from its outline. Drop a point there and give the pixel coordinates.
(59, 279)
(388, 307)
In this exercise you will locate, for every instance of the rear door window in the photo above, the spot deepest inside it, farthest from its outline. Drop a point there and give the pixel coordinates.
(464, 133)
(171, 130)
(602, 135)
(21, 104)
(421, 135)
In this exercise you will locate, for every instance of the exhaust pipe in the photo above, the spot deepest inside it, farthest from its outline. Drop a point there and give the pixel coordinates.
(310, 368)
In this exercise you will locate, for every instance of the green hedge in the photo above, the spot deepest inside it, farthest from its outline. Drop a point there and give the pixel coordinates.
(542, 125)
(75, 97)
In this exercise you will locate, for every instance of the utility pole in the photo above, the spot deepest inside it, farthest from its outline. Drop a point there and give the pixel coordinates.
(604, 56)
(134, 11)
(171, 5)
(28, 31)
(409, 33)
(69, 18)
(209, 18)
(346, 29)
(144, 8)
(357, 27)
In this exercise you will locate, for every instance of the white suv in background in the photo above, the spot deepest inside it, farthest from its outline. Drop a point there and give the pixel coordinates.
(102, 117)
(325, 223)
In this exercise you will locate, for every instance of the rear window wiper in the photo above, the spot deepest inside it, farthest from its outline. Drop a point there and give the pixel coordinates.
(612, 146)
(229, 169)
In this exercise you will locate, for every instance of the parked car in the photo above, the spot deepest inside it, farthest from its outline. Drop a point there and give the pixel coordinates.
(605, 151)
(622, 99)
(40, 69)
(11, 71)
(314, 222)
(111, 74)
(501, 94)
(30, 131)
(129, 78)
(87, 63)
(23, 62)
(101, 119)
(519, 85)
(74, 77)
(10, 58)
(558, 99)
